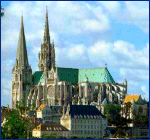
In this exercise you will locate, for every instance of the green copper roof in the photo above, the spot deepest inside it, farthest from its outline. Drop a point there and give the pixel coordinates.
(68, 74)
(37, 77)
(101, 75)
(72, 75)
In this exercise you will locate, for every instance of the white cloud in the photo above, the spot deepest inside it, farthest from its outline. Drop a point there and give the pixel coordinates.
(119, 54)
(132, 12)
(137, 75)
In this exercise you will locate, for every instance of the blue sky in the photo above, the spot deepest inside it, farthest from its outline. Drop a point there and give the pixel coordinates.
(86, 34)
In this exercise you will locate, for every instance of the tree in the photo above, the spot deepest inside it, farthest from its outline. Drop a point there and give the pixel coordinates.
(17, 126)
(112, 113)
(14, 127)
(2, 11)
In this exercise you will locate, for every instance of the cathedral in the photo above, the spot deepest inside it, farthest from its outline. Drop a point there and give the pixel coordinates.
(57, 85)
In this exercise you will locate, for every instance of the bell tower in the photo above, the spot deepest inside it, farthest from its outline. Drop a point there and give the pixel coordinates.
(47, 53)
(21, 72)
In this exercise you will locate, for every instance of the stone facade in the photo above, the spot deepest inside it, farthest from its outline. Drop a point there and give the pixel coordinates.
(84, 121)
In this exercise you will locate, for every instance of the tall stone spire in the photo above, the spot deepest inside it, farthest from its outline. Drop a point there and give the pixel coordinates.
(21, 72)
(47, 53)
(46, 38)
(22, 57)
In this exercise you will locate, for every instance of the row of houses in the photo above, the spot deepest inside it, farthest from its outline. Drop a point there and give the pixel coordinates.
(76, 120)
(83, 120)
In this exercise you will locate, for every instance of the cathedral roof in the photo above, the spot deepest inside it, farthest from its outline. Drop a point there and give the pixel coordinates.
(101, 75)
(72, 75)
(37, 77)
(68, 74)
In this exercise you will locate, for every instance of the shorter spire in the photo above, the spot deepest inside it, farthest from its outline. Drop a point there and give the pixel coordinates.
(22, 57)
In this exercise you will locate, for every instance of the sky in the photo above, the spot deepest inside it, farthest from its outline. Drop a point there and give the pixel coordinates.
(86, 35)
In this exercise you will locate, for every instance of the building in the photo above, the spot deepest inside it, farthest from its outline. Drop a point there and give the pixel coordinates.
(50, 128)
(47, 114)
(56, 85)
(84, 121)
(134, 105)
(139, 131)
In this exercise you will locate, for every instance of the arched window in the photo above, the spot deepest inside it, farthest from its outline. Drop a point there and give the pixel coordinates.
(16, 77)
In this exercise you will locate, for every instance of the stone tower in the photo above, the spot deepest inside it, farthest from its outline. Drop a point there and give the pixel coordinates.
(21, 72)
(47, 62)
(47, 53)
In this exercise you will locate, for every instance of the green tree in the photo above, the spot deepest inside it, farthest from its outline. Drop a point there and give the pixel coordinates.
(17, 126)
(14, 128)
(112, 113)
(2, 11)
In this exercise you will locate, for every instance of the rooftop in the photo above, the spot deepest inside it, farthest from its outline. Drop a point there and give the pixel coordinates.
(85, 111)
(130, 98)
(50, 127)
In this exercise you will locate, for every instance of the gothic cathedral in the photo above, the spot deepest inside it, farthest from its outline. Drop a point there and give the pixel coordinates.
(57, 85)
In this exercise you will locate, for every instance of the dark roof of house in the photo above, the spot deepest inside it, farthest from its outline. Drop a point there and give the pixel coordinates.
(50, 127)
(84, 111)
